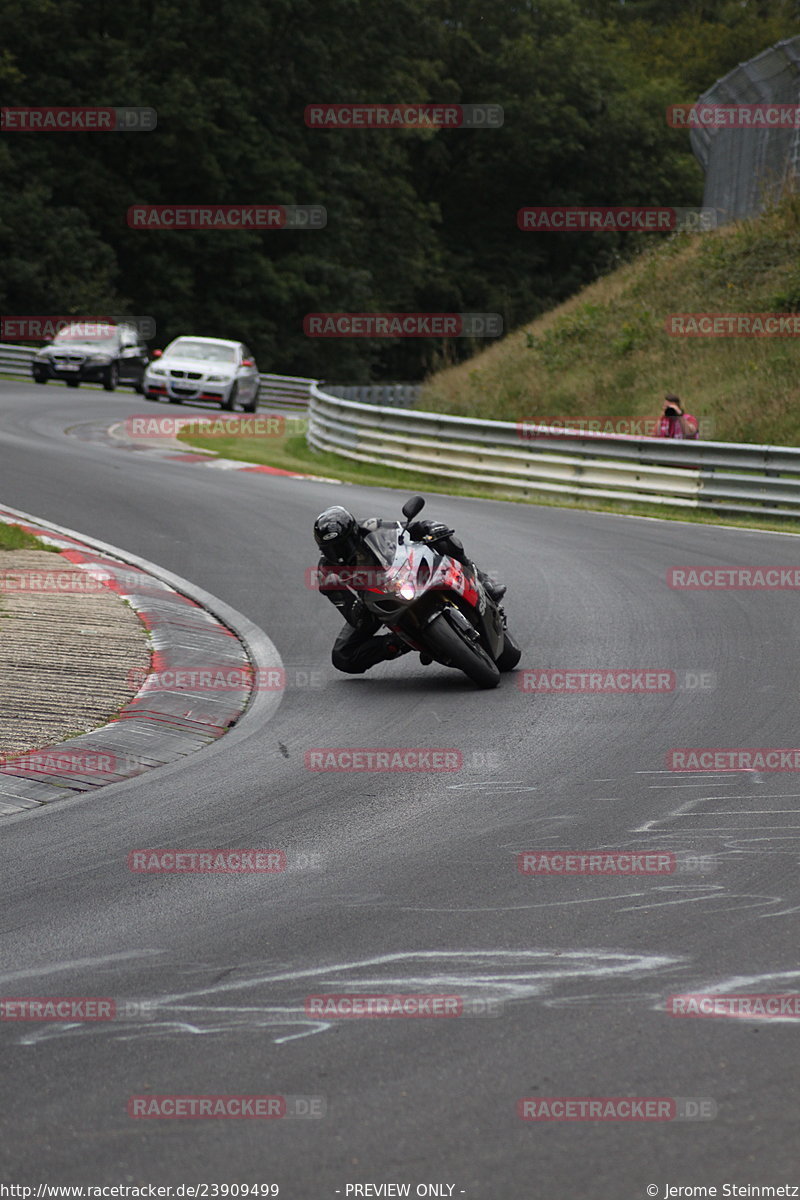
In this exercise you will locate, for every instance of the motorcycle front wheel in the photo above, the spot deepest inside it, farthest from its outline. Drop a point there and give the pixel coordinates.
(455, 650)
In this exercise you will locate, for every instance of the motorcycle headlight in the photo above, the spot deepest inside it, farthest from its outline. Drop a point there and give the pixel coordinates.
(402, 584)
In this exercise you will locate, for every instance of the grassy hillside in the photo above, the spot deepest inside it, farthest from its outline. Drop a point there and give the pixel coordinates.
(605, 354)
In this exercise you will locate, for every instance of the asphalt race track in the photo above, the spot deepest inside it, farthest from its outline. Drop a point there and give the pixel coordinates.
(408, 882)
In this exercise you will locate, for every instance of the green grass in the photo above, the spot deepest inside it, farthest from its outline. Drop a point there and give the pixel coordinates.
(605, 354)
(13, 537)
(292, 453)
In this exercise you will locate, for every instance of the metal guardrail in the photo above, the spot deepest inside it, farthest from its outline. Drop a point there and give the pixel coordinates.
(527, 459)
(285, 392)
(15, 360)
(723, 476)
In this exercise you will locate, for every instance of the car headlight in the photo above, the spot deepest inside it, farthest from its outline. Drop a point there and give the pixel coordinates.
(157, 370)
(218, 379)
(99, 358)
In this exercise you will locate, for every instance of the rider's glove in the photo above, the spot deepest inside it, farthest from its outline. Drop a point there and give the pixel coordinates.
(357, 613)
(437, 531)
(361, 618)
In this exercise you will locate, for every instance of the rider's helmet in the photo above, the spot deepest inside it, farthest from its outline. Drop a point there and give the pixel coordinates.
(336, 534)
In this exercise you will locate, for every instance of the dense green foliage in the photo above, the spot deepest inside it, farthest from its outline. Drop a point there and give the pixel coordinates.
(417, 221)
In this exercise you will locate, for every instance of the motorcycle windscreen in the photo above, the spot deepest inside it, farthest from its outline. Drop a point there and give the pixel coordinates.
(383, 543)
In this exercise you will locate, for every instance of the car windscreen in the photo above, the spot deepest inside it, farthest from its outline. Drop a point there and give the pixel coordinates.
(383, 542)
(202, 350)
(103, 339)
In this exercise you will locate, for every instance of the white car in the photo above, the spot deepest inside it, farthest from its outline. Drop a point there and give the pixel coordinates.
(201, 368)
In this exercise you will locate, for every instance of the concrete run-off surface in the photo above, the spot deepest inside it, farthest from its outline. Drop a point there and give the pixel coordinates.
(71, 654)
(209, 665)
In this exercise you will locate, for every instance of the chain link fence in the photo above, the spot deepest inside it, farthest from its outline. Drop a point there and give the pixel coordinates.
(746, 169)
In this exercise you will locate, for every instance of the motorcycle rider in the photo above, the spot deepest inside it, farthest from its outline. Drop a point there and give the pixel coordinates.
(340, 538)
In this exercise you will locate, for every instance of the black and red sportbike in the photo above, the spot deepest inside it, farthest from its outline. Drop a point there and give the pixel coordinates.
(434, 603)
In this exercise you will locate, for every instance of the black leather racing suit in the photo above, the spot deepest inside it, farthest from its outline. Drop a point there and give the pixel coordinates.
(359, 646)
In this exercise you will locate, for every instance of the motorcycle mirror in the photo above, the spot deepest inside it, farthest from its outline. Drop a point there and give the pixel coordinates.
(412, 507)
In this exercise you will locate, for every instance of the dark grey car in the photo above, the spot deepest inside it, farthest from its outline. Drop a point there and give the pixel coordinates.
(84, 353)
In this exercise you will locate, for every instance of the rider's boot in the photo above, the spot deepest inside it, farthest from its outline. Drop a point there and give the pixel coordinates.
(495, 590)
